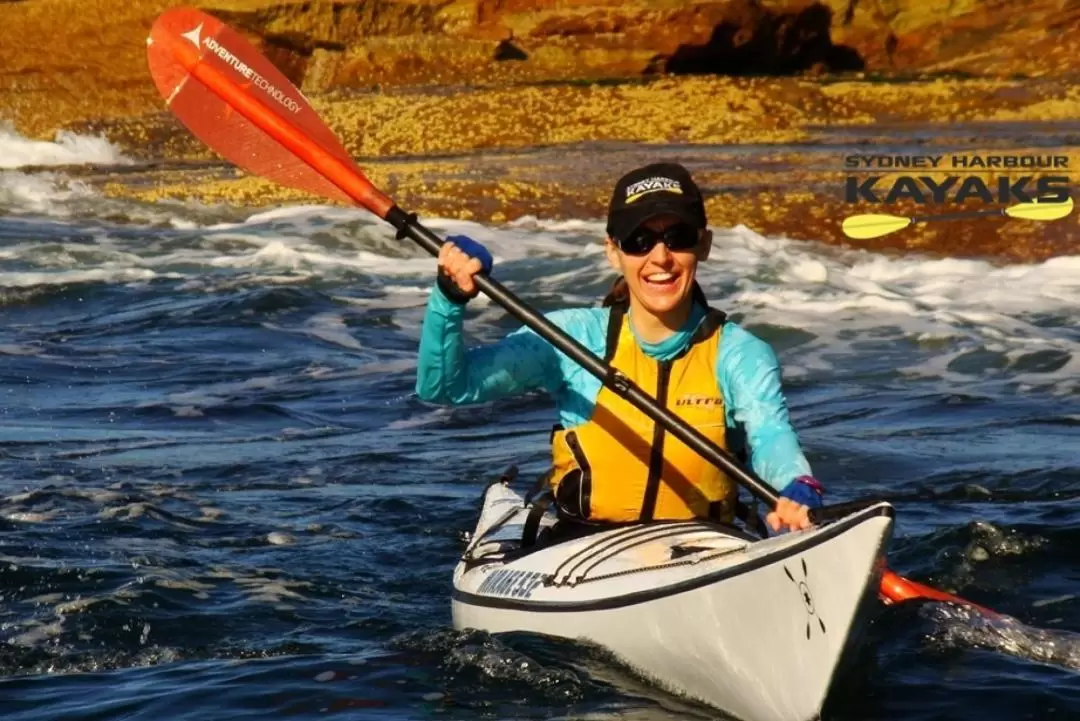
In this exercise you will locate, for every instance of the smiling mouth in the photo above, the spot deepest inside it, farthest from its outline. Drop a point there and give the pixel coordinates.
(661, 280)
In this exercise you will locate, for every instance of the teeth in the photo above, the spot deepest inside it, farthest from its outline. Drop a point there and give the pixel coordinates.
(659, 277)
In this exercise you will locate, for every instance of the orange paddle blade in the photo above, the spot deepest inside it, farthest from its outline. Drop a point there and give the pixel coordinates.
(895, 588)
(234, 100)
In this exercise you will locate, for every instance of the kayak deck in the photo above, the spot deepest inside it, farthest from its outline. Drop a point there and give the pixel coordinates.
(612, 562)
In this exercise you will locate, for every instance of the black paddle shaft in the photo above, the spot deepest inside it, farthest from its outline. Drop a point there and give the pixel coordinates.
(408, 227)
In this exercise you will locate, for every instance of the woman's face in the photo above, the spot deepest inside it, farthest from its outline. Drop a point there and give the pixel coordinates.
(661, 280)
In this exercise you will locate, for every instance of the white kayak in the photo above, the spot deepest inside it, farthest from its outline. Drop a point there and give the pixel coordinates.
(754, 627)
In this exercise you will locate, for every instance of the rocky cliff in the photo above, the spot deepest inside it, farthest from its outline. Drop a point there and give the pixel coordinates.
(415, 79)
(68, 60)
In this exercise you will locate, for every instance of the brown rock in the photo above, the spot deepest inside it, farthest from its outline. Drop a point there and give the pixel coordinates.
(65, 60)
(424, 78)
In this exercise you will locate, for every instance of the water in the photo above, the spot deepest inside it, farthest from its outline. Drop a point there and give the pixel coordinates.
(221, 498)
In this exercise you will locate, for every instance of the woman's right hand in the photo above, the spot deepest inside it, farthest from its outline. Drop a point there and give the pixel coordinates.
(460, 267)
(460, 258)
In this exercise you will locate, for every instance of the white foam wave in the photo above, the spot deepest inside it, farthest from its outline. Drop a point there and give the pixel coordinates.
(331, 328)
(963, 627)
(67, 148)
(16, 349)
(1009, 312)
(93, 275)
(44, 193)
(299, 213)
(961, 320)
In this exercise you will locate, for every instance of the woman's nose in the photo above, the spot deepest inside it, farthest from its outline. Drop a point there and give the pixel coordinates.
(659, 252)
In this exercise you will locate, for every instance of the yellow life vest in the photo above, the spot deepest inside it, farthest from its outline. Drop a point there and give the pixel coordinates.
(620, 465)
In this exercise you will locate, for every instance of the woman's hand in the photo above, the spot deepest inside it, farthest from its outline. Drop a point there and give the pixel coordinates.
(789, 515)
(792, 510)
(460, 258)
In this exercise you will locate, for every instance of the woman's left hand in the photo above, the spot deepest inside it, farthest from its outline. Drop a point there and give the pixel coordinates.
(792, 510)
(789, 515)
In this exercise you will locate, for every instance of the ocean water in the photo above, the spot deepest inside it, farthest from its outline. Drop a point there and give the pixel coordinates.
(220, 497)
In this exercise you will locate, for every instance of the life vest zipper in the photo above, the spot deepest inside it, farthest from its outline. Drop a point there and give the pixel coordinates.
(656, 457)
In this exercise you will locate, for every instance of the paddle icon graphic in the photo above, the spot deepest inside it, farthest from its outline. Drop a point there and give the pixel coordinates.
(807, 599)
(875, 225)
(245, 109)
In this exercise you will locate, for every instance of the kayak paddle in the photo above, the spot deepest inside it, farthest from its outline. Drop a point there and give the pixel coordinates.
(245, 109)
(239, 104)
(875, 225)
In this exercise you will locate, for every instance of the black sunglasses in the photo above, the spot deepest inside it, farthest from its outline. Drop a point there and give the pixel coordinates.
(681, 236)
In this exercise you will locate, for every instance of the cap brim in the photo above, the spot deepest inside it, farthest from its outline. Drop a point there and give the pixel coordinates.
(628, 220)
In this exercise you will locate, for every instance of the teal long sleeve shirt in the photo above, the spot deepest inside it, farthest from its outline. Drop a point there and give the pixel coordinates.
(746, 369)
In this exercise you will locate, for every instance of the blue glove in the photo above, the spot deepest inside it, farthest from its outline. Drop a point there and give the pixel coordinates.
(473, 249)
(805, 490)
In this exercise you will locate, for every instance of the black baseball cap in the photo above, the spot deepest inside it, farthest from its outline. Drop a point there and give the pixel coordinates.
(650, 191)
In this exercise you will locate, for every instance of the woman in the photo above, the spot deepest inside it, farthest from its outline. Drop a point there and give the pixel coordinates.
(610, 462)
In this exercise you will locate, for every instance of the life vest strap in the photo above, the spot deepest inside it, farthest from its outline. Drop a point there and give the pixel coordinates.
(614, 329)
(531, 529)
(540, 484)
